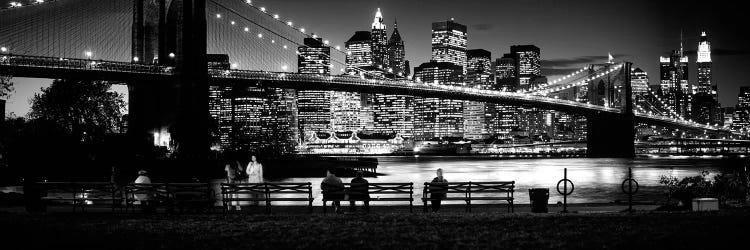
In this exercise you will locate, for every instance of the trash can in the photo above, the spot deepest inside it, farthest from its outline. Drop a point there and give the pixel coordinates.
(539, 198)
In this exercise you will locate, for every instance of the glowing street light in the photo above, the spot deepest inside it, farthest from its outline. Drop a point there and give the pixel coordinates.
(171, 55)
(284, 67)
(88, 54)
(136, 59)
(218, 15)
(3, 49)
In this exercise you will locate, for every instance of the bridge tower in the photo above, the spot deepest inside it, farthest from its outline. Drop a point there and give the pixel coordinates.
(174, 114)
(613, 135)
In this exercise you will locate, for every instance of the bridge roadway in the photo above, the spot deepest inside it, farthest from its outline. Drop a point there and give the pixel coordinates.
(123, 72)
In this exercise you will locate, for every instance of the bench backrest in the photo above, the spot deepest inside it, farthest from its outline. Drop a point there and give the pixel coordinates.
(492, 187)
(267, 188)
(468, 188)
(385, 188)
(79, 189)
(169, 190)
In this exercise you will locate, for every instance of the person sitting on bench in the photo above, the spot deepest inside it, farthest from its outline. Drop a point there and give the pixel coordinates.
(359, 190)
(332, 184)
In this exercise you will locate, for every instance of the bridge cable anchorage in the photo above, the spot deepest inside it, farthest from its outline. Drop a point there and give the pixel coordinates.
(288, 24)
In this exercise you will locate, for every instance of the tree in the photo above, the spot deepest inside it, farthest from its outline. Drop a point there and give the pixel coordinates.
(6, 86)
(85, 109)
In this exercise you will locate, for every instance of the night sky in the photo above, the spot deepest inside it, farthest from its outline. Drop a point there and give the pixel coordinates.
(570, 34)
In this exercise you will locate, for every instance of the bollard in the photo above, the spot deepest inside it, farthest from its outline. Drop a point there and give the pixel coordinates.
(630, 192)
(565, 191)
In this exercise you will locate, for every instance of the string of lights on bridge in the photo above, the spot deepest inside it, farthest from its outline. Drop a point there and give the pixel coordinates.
(579, 83)
(556, 81)
(290, 24)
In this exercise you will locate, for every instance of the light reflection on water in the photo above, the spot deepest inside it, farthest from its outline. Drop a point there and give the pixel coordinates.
(596, 180)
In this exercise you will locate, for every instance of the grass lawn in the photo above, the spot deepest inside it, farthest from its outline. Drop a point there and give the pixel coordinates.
(676, 230)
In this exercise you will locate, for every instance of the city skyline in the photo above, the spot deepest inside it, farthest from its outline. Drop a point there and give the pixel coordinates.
(489, 35)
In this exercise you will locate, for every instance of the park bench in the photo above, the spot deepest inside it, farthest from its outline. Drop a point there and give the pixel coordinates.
(360, 192)
(140, 192)
(181, 195)
(83, 194)
(470, 191)
(267, 192)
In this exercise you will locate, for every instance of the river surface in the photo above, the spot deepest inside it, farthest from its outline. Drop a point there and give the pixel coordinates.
(595, 180)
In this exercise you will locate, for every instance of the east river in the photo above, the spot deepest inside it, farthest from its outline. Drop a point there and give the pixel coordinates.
(595, 180)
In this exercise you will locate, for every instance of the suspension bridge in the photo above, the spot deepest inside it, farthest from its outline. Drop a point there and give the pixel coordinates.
(159, 49)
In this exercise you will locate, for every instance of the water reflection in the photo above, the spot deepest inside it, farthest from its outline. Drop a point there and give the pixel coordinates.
(596, 180)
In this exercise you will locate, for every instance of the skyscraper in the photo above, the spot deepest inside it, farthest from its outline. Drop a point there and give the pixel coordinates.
(705, 104)
(639, 82)
(359, 52)
(741, 120)
(705, 84)
(478, 75)
(396, 54)
(505, 73)
(345, 111)
(437, 118)
(503, 117)
(379, 41)
(449, 41)
(674, 82)
(314, 105)
(314, 57)
(527, 64)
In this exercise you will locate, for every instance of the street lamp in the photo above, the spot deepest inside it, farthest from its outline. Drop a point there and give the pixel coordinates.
(88, 54)
(3, 49)
(136, 59)
(171, 55)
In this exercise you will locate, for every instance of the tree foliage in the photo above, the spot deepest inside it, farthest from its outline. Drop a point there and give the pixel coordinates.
(86, 109)
(6, 86)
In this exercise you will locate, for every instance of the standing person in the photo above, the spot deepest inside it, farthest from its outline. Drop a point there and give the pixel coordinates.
(359, 191)
(144, 199)
(232, 178)
(333, 188)
(254, 172)
(437, 192)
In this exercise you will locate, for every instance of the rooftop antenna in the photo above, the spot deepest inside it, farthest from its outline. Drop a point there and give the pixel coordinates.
(681, 48)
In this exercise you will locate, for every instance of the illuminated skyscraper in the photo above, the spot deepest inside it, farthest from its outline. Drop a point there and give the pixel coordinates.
(505, 73)
(379, 41)
(705, 104)
(396, 54)
(314, 106)
(449, 41)
(741, 120)
(478, 75)
(314, 57)
(527, 64)
(345, 110)
(705, 84)
(639, 82)
(437, 118)
(359, 52)
(674, 82)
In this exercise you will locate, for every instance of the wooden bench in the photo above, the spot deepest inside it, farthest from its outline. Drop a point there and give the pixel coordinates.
(171, 195)
(83, 194)
(360, 192)
(267, 192)
(140, 192)
(468, 191)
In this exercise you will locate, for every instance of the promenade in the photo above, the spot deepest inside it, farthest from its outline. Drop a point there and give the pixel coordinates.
(386, 227)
